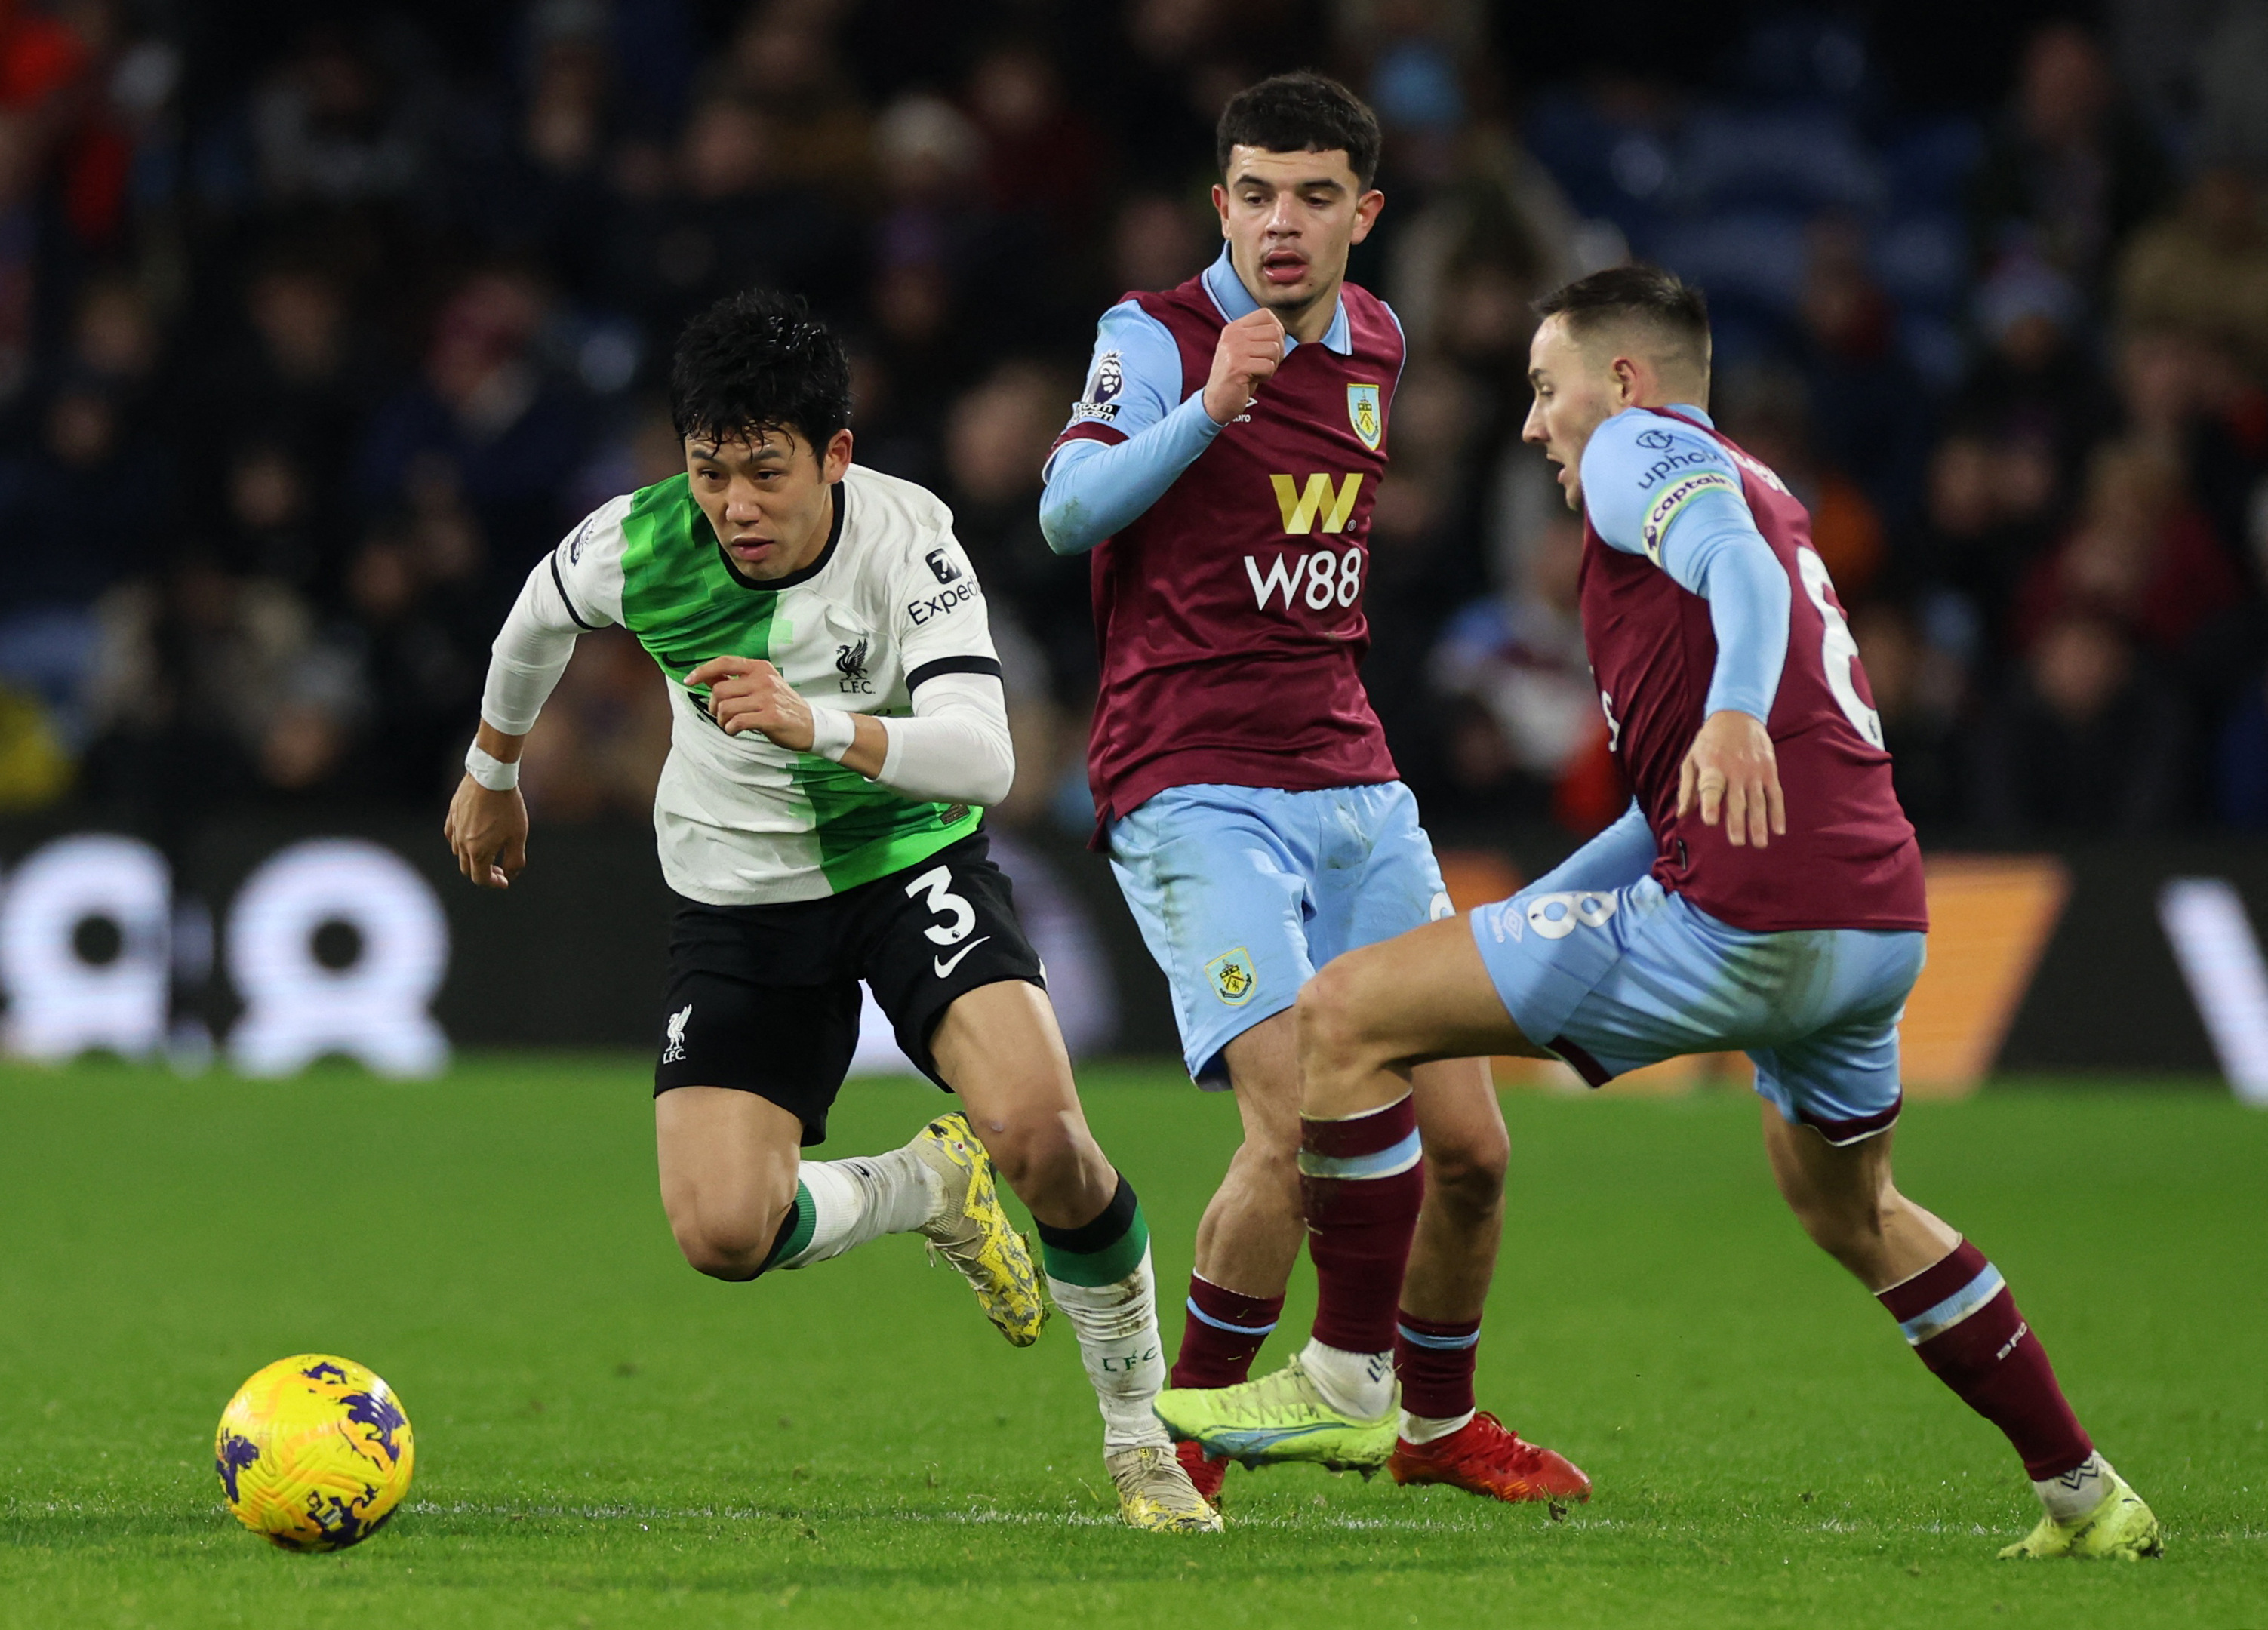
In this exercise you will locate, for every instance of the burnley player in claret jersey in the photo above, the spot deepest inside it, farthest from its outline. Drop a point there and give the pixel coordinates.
(1222, 466)
(1762, 894)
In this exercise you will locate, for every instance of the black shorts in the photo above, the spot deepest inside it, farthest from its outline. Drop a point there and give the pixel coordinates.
(765, 999)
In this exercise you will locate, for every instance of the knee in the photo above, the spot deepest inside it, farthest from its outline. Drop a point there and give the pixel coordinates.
(725, 1251)
(1468, 1175)
(1044, 1157)
(1332, 1038)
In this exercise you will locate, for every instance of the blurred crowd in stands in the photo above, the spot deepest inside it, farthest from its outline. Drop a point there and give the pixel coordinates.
(319, 324)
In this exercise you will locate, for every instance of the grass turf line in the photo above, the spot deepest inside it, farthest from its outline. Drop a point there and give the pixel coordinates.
(605, 1438)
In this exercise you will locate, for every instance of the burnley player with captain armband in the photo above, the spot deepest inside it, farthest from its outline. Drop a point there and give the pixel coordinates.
(1763, 895)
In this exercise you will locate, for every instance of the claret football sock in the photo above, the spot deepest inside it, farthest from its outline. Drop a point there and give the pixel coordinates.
(1962, 1322)
(1363, 1180)
(1435, 1359)
(1099, 1276)
(1224, 1335)
(841, 1204)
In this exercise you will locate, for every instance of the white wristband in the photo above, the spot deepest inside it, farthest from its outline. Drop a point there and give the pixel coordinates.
(832, 732)
(490, 771)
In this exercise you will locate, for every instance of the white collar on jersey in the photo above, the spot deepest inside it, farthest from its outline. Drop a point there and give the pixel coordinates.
(1235, 300)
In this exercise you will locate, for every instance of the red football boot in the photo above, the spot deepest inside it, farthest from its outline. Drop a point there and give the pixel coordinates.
(1483, 1457)
(1208, 1475)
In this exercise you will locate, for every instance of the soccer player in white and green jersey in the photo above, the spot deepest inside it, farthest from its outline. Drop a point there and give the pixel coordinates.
(839, 724)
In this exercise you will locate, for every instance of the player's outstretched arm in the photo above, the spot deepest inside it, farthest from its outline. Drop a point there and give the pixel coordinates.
(487, 824)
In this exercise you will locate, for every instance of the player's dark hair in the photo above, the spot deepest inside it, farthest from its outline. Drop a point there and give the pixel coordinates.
(1646, 294)
(760, 361)
(1301, 113)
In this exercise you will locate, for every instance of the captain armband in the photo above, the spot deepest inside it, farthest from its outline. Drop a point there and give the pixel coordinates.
(1673, 499)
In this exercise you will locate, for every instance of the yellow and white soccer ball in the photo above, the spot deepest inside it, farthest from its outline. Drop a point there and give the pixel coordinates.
(314, 1452)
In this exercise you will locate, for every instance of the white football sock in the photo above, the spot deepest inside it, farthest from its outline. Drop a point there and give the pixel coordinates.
(1426, 1428)
(1117, 1329)
(2077, 1491)
(1354, 1384)
(862, 1198)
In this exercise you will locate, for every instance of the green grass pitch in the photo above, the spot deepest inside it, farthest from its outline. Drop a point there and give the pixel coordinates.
(606, 1439)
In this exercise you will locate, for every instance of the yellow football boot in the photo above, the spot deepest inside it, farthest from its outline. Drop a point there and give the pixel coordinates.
(2121, 1528)
(973, 1233)
(1282, 1417)
(1155, 1494)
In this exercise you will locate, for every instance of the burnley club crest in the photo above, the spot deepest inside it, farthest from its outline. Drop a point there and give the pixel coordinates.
(1362, 412)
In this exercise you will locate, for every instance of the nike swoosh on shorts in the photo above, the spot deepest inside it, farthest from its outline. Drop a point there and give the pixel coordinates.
(946, 965)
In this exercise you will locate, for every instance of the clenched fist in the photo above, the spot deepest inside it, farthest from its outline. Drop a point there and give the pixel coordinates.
(1250, 348)
(748, 694)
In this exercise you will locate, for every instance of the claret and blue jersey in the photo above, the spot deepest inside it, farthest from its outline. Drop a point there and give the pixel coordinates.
(1242, 783)
(1701, 592)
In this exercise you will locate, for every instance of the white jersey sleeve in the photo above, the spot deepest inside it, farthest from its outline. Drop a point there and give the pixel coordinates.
(955, 748)
(576, 589)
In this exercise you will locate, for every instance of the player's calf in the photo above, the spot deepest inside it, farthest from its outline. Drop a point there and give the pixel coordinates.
(1957, 1313)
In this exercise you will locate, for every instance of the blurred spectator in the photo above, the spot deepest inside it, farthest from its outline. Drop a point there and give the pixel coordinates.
(1918, 693)
(1770, 412)
(2084, 740)
(423, 628)
(289, 370)
(1986, 514)
(1159, 242)
(732, 217)
(1041, 157)
(996, 439)
(1870, 415)
(1527, 733)
(2071, 170)
(78, 510)
(2204, 271)
(785, 63)
(2140, 556)
(597, 748)
(209, 688)
(339, 124)
(2037, 380)
(488, 420)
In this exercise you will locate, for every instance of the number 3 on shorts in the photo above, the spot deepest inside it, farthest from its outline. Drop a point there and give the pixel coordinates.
(937, 882)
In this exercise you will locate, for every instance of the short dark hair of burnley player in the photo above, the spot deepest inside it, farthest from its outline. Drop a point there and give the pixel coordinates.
(1725, 663)
(1298, 155)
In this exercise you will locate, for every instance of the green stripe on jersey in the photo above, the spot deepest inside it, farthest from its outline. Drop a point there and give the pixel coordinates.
(866, 831)
(685, 606)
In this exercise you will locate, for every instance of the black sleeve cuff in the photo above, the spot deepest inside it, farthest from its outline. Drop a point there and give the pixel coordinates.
(942, 666)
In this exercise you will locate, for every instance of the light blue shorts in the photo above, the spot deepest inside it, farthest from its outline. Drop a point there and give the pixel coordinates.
(1242, 892)
(1610, 980)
